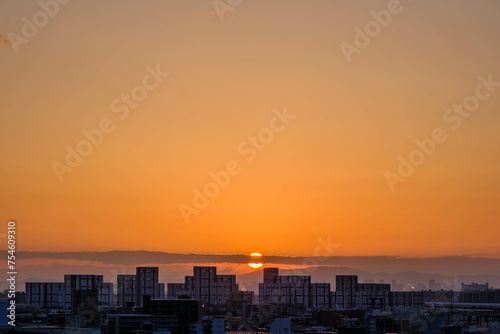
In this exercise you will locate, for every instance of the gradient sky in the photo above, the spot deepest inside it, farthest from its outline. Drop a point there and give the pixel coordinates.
(323, 175)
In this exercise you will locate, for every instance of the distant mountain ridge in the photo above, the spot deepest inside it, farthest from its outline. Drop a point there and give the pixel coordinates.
(449, 265)
(247, 278)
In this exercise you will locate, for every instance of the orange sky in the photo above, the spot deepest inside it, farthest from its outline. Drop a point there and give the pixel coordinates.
(322, 175)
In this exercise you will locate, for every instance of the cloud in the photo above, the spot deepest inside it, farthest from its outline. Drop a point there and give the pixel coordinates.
(448, 264)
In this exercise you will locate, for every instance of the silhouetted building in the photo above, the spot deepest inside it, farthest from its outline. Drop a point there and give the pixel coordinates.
(244, 297)
(207, 286)
(278, 289)
(45, 294)
(407, 299)
(176, 290)
(320, 295)
(85, 308)
(58, 294)
(350, 294)
(475, 287)
(485, 296)
(345, 291)
(271, 275)
(162, 290)
(87, 282)
(146, 283)
(126, 289)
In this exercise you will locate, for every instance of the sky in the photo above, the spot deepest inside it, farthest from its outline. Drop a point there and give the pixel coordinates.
(303, 118)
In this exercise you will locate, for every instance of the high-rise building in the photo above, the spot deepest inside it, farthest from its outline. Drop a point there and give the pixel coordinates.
(204, 284)
(350, 294)
(176, 291)
(87, 282)
(225, 287)
(284, 289)
(345, 287)
(45, 294)
(407, 299)
(126, 289)
(85, 308)
(320, 295)
(146, 283)
(133, 288)
(60, 294)
(162, 290)
(373, 296)
(243, 296)
(210, 288)
(373, 287)
(106, 294)
(271, 275)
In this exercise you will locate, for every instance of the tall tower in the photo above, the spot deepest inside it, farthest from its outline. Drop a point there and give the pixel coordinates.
(126, 292)
(204, 284)
(147, 283)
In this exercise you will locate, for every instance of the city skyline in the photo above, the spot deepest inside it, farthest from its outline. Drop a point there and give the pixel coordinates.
(210, 302)
(134, 286)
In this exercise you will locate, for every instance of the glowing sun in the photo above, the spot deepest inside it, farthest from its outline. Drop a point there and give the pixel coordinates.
(255, 259)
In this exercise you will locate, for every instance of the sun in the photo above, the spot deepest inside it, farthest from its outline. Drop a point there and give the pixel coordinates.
(254, 257)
